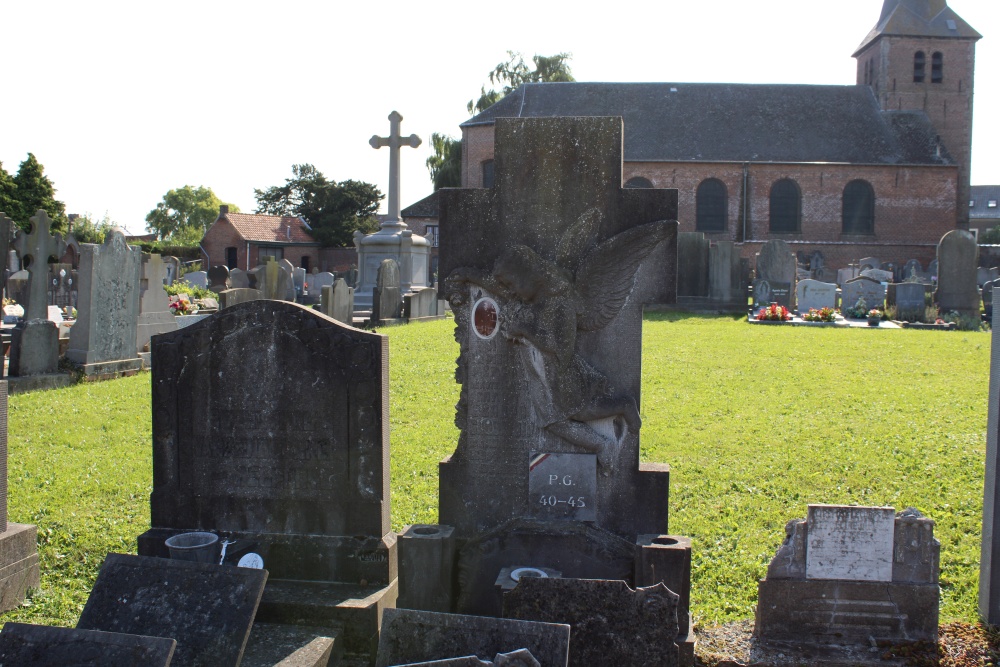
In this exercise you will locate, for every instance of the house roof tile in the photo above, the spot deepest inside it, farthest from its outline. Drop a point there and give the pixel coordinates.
(270, 228)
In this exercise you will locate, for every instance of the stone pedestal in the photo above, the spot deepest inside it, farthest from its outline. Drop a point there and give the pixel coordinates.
(393, 241)
(34, 348)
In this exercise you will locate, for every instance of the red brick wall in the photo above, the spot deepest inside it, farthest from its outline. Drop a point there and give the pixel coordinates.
(222, 235)
(337, 260)
(477, 147)
(948, 104)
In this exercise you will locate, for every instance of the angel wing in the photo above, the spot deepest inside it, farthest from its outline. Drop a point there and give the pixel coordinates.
(607, 273)
(578, 238)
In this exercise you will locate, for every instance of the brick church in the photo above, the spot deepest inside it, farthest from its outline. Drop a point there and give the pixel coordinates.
(879, 168)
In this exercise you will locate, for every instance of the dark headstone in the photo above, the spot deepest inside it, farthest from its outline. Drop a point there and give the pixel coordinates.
(547, 273)
(387, 301)
(958, 257)
(208, 609)
(989, 559)
(913, 269)
(869, 289)
(238, 279)
(46, 646)
(908, 298)
(776, 262)
(692, 264)
(421, 636)
(7, 227)
(869, 263)
(62, 286)
(724, 277)
(633, 627)
(306, 481)
(988, 298)
(218, 278)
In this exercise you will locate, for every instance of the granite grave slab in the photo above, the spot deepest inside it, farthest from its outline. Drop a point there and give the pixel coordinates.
(47, 646)
(958, 257)
(815, 294)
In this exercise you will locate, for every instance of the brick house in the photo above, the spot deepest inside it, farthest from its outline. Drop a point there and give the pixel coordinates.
(422, 218)
(879, 168)
(984, 207)
(244, 240)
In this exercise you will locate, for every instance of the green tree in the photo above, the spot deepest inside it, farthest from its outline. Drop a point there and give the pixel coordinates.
(185, 214)
(513, 72)
(29, 191)
(333, 210)
(446, 163)
(88, 229)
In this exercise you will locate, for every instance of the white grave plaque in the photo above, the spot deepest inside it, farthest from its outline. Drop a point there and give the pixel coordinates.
(852, 543)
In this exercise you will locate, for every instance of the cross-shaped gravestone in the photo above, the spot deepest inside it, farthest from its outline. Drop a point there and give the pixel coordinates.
(35, 248)
(547, 273)
(394, 141)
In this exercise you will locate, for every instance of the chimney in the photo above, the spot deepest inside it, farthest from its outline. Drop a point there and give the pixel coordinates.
(224, 209)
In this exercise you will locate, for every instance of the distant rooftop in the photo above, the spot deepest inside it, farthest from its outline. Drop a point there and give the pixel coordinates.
(721, 122)
(270, 228)
(984, 202)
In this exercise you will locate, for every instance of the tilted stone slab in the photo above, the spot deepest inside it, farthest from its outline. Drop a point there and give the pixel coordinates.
(47, 646)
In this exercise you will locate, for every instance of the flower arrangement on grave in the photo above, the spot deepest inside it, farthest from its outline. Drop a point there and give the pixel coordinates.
(859, 310)
(821, 315)
(182, 307)
(774, 313)
(874, 312)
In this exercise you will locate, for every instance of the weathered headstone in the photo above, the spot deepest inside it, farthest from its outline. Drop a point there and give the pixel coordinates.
(35, 340)
(776, 275)
(815, 294)
(420, 636)
(988, 298)
(387, 300)
(17, 286)
(238, 279)
(47, 646)
(989, 560)
(230, 297)
(196, 278)
(18, 551)
(958, 256)
(299, 278)
(908, 298)
(173, 267)
(103, 340)
(7, 227)
(869, 263)
(296, 461)
(635, 627)
(984, 275)
(843, 275)
(547, 273)
(692, 264)
(154, 306)
(275, 281)
(208, 609)
(317, 281)
(869, 289)
(218, 278)
(913, 269)
(338, 302)
(422, 304)
(725, 286)
(878, 274)
(847, 574)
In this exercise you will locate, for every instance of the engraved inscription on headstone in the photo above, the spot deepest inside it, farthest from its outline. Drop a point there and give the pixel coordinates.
(563, 486)
(852, 543)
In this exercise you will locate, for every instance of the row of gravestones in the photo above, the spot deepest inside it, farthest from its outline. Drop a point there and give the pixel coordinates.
(553, 535)
(956, 278)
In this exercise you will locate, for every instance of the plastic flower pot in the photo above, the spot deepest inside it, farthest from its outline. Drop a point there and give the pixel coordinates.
(198, 547)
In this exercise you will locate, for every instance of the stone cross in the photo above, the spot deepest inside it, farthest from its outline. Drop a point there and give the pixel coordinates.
(35, 247)
(394, 141)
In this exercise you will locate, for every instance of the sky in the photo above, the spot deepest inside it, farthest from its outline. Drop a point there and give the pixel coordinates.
(123, 101)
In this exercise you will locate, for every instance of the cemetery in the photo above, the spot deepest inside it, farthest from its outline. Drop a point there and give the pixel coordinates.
(611, 480)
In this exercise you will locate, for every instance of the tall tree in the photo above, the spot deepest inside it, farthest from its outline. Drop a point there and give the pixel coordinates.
(185, 214)
(8, 198)
(334, 210)
(32, 191)
(445, 165)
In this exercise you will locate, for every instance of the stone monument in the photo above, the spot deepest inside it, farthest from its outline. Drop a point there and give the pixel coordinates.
(218, 278)
(816, 294)
(393, 240)
(338, 301)
(18, 545)
(547, 273)
(154, 307)
(776, 275)
(270, 427)
(35, 341)
(387, 299)
(847, 574)
(958, 257)
(103, 340)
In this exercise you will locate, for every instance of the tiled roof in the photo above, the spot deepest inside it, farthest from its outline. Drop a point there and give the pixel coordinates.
(919, 18)
(980, 197)
(425, 208)
(723, 122)
(270, 228)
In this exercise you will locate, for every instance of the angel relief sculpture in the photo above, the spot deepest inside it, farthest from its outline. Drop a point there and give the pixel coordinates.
(543, 304)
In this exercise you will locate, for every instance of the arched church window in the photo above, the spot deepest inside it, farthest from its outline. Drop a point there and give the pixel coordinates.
(711, 204)
(786, 206)
(638, 182)
(858, 212)
(919, 63)
(937, 67)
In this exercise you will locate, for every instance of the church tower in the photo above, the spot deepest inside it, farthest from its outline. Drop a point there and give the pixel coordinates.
(921, 56)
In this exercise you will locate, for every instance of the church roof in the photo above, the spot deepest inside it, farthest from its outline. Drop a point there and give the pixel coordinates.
(425, 208)
(722, 122)
(918, 18)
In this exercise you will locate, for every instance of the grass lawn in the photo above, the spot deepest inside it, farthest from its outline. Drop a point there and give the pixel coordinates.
(755, 421)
